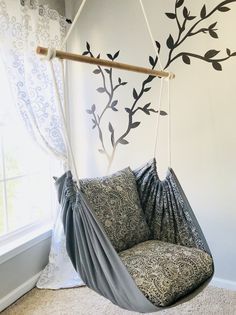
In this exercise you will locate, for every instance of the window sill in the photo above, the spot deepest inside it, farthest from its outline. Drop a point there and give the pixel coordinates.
(24, 242)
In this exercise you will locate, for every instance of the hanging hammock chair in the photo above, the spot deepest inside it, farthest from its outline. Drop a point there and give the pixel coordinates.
(132, 237)
(146, 266)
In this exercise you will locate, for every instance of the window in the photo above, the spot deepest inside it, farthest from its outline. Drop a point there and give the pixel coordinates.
(26, 186)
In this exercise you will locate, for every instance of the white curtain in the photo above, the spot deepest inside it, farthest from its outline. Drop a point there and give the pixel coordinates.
(24, 25)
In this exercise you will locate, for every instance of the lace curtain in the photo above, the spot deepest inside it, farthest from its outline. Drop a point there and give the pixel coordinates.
(24, 25)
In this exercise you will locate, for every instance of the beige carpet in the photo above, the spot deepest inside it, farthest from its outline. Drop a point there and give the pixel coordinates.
(82, 301)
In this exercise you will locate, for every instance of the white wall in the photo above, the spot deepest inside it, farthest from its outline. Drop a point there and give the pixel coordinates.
(203, 109)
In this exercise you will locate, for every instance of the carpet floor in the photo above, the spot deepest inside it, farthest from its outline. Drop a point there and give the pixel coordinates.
(83, 301)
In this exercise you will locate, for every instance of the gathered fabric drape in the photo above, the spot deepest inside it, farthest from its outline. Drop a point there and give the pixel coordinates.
(98, 263)
(24, 25)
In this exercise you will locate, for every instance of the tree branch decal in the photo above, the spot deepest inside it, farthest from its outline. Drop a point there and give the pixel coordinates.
(184, 33)
(110, 84)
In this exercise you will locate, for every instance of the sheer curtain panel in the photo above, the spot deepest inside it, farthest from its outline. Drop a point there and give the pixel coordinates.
(24, 25)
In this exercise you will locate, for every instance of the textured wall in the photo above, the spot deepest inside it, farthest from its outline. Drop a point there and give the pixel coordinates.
(203, 105)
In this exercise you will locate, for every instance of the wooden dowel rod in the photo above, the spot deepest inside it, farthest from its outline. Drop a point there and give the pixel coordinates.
(105, 63)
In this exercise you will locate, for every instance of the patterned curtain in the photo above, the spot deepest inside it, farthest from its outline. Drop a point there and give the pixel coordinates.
(24, 25)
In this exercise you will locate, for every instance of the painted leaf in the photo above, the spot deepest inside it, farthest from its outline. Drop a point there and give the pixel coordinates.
(119, 80)
(128, 110)
(170, 42)
(113, 106)
(110, 56)
(124, 83)
(146, 89)
(110, 127)
(87, 46)
(211, 53)
(158, 45)
(116, 55)
(123, 141)
(114, 103)
(112, 139)
(213, 34)
(98, 56)
(171, 15)
(135, 94)
(228, 51)
(203, 12)
(224, 9)
(217, 66)
(85, 53)
(101, 90)
(233, 54)
(93, 108)
(135, 124)
(107, 71)
(151, 61)
(96, 71)
(146, 111)
(179, 3)
(185, 13)
(212, 25)
(163, 113)
(147, 105)
(89, 111)
(191, 17)
(186, 59)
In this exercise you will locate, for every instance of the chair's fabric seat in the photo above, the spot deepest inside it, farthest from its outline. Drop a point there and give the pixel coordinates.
(164, 272)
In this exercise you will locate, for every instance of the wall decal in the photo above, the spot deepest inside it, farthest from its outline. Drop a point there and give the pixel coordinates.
(187, 26)
(109, 88)
(182, 17)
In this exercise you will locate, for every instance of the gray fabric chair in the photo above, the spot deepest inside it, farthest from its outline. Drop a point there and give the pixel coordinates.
(134, 238)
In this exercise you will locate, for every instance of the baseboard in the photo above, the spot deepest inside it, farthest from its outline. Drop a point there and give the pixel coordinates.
(222, 283)
(18, 292)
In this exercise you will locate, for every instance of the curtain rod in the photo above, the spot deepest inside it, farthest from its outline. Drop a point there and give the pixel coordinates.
(105, 63)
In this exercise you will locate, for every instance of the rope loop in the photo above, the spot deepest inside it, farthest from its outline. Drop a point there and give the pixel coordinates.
(171, 76)
(51, 54)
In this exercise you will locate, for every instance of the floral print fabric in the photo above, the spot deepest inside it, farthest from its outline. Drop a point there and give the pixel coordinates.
(165, 272)
(115, 201)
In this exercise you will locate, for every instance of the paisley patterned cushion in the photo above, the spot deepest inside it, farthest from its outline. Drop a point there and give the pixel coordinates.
(164, 272)
(116, 203)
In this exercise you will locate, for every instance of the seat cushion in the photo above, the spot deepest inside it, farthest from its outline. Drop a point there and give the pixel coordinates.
(165, 272)
(116, 203)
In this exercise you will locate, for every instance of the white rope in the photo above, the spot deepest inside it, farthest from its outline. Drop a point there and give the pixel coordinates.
(158, 118)
(73, 23)
(150, 34)
(171, 76)
(50, 54)
(64, 125)
(169, 123)
(62, 109)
